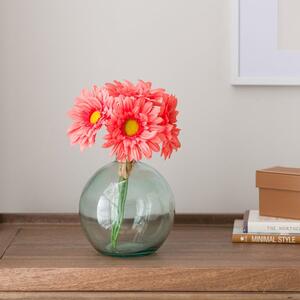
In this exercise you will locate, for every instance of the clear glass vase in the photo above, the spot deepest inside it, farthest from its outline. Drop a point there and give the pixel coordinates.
(127, 209)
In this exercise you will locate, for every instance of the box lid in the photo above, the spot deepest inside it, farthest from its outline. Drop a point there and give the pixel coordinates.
(281, 178)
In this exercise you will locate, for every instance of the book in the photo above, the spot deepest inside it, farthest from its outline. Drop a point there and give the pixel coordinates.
(254, 223)
(245, 221)
(238, 236)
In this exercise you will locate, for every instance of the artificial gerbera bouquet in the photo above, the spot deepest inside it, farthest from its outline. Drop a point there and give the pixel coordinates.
(138, 121)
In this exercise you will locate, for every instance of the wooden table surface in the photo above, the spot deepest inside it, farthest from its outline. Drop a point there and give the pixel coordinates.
(198, 259)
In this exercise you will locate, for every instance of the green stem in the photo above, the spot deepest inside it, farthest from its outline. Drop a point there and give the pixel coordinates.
(124, 171)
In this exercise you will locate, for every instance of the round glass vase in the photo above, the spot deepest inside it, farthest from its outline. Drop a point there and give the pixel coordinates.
(127, 209)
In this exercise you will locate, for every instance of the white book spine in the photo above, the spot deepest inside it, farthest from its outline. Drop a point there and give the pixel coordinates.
(273, 227)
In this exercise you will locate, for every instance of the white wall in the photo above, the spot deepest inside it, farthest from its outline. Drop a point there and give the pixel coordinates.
(288, 24)
(50, 49)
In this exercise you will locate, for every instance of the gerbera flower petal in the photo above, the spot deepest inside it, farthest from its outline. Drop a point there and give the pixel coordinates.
(146, 149)
(88, 114)
(147, 135)
(171, 142)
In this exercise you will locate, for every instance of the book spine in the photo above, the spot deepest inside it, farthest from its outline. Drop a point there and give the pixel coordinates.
(245, 221)
(266, 238)
(281, 228)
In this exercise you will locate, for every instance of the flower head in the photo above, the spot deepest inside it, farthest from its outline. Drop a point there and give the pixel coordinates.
(170, 141)
(167, 104)
(133, 128)
(141, 89)
(89, 114)
(169, 136)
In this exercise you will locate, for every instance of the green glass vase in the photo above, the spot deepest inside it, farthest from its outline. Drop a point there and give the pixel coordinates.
(127, 209)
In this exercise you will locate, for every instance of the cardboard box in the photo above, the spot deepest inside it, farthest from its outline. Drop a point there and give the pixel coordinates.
(279, 192)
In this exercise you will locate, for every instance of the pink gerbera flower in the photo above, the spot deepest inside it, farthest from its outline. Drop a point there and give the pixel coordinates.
(170, 133)
(167, 104)
(170, 141)
(89, 114)
(141, 89)
(133, 128)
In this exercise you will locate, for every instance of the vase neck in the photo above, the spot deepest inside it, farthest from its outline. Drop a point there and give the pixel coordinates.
(125, 168)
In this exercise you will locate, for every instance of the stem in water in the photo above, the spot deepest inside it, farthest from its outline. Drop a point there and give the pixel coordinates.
(124, 171)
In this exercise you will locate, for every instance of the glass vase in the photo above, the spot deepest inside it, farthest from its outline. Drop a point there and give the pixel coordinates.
(127, 209)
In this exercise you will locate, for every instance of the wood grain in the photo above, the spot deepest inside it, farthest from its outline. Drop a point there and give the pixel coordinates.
(187, 246)
(52, 218)
(195, 258)
(145, 296)
(149, 279)
(7, 234)
(205, 219)
(39, 218)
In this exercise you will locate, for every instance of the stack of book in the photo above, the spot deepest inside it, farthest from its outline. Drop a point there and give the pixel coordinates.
(278, 217)
(259, 229)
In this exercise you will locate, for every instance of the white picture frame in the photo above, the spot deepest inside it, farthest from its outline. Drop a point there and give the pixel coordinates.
(266, 64)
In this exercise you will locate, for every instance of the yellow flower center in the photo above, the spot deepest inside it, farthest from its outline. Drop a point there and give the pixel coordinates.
(131, 127)
(95, 116)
